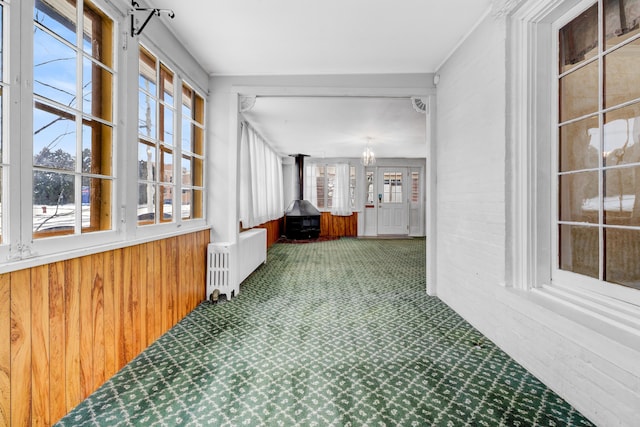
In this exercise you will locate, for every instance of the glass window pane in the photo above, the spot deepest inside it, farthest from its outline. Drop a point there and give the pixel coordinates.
(54, 69)
(320, 190)
(146, 204)
(166, 203)
(147, 115)
(622, 136)
(579, 93)
(621, 77)
(622, 196)
(54, 209)
(622, 252)
(197, 172)
(198, 114)
(579, 200)
(146, 161)
(97, 37)
(166, 82)
(331, 182)
(147, 72)
(166, 125)
(59, 16)
(96, 148)
(198, 140)
(97, 90)
(186, 171)
(197, 204)
(370, 187)
(54, 138)
(187, 102)
(187, 196)
(96, 206)
(186, 135)
(166, 163)
(621, 20)
(579, 249)
(580, 145)
(578, 40)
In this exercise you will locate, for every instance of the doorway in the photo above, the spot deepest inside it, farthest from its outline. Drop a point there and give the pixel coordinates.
(392, 201)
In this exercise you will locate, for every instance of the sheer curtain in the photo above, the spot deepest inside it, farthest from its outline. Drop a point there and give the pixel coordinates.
(261, 193)
(341, 196)
(310, 185)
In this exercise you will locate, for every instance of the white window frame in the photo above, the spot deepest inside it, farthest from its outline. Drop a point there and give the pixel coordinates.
(532, 137)
(18, 249)
(178, 80)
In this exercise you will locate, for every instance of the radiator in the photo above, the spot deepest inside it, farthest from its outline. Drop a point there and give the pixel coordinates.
(229, 264)
(221, 258)
(252, 247)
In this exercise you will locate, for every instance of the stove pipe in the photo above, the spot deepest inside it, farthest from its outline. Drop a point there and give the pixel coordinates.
(300, 165)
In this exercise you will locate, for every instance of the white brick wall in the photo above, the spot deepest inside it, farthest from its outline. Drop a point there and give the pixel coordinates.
(600, 376)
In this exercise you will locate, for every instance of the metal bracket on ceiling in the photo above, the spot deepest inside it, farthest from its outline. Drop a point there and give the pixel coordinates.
(136, 31)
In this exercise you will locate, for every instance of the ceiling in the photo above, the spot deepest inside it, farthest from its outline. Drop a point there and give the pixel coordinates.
(318, 37)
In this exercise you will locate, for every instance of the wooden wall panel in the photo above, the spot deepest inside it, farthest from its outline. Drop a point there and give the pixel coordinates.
(56, 340)
(67, 327)
(5, 350)
(21, 392)
(274, 230)
(338, 226)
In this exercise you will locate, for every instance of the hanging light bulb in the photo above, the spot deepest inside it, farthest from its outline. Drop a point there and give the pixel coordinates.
(368, 156)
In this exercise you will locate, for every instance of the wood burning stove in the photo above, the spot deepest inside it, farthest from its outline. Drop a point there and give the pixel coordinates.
(301, 219)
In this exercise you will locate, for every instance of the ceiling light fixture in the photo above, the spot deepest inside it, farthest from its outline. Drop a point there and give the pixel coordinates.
(368, 156)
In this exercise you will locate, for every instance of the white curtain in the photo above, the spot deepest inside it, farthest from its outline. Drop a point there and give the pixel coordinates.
(310, 185)
(341, 196)
(261, 193)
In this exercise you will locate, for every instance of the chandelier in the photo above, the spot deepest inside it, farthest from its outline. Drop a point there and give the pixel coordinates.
(368, 156)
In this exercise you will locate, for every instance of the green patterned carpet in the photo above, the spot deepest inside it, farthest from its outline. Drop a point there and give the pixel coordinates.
(338, 333)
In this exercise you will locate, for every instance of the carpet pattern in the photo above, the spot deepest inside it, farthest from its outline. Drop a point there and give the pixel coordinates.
(337, 333)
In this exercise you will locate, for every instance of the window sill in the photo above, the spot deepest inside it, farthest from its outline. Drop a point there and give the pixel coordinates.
(614, 319)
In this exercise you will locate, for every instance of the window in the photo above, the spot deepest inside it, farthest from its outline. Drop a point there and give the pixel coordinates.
(156, 112)
(392, 192)
(72, 119)
(320, 185)
(598, 165)
(192, 154)
(370, 189)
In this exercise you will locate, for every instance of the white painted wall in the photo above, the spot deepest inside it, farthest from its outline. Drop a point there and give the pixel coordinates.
(599, 375)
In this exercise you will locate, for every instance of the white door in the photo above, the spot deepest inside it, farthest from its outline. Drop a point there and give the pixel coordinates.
(392, 201)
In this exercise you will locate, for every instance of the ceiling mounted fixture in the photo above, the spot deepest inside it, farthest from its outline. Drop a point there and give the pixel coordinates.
(368, 156)
(136, 31)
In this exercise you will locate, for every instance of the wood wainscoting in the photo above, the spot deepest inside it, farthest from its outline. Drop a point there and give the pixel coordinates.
(338, 226)
(67, 327)
(274, 230)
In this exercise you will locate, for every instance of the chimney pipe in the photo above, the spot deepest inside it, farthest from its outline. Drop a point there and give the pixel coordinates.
(300, 165)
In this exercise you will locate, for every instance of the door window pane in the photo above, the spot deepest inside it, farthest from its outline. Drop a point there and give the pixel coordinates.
(622, 196)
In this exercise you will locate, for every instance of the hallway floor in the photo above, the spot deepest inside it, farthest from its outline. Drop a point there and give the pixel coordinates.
(332, 333)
